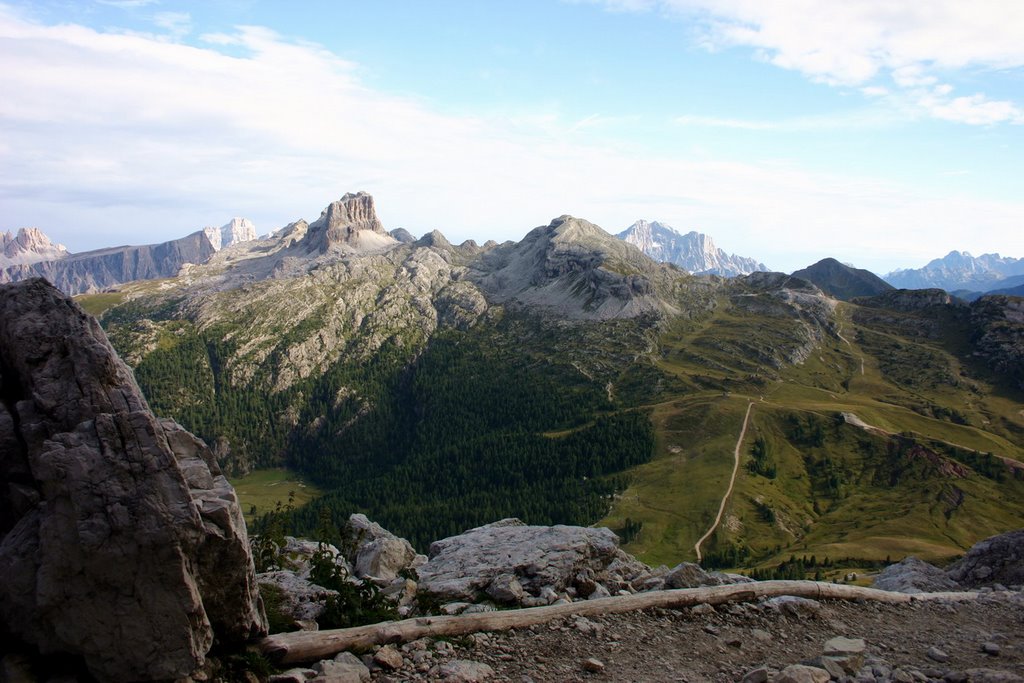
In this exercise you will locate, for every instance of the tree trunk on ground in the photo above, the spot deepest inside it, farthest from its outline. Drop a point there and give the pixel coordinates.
(305, 646)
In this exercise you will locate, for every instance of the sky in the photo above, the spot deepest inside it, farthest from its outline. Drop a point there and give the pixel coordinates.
(883, 133)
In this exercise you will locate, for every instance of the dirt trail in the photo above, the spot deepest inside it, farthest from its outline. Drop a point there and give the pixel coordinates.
(732, 482)
(847, 342)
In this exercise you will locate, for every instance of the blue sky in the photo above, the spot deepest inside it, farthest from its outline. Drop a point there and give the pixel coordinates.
(881, 133)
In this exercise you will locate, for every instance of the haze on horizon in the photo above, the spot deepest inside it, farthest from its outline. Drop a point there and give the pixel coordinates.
(883, 134)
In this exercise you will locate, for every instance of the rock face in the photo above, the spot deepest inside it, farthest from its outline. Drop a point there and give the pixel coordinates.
(120, 540)
(463, 567)
(235, 231)
(28, 246)
(94, 271)
(694, 252)
(999, 559)
(349, 222)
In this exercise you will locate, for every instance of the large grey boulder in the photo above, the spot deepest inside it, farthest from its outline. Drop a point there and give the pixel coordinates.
(912, 575)
(375, 552)
(120, 540)
(463, 567)
(999, 559)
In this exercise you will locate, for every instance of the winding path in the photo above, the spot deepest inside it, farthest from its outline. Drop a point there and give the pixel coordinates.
(732, 482)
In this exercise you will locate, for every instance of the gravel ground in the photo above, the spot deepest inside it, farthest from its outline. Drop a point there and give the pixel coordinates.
(725, 644)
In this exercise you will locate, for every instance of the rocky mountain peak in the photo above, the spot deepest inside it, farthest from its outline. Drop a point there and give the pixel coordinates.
(349, 222)
(694, 252)
(234, 231)
(29, 245)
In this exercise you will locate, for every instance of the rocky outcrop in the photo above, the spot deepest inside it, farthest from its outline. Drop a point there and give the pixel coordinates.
(120, 540)
(349, 223)
(996, 560)
(376, 552)
(694, 252)
(910, 300)
(912, 575)
(997, 324)
(94, 271)
(537, 558)
(28, 246)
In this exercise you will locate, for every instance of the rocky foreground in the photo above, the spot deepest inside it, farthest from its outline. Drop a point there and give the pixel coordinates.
(782, 641)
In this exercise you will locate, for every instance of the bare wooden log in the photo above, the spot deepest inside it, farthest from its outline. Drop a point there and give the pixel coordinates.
(305, 646)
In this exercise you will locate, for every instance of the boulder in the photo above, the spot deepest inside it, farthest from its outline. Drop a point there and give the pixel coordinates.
(912, 575)
(689, 575)
(299, 600)
(462, 567)
(375, 552)
(120, 539)
(999, 559)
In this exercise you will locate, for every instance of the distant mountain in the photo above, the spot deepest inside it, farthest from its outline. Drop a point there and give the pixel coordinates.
(1009, 291)
(28, 246)
(842, 281)
(238, 230)
(32, 254)
(694, 252)
(958, 270)
(94, 271)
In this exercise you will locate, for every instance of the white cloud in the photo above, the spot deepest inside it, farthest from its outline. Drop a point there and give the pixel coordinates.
(175, 23)
(858, 43)
(113, 138)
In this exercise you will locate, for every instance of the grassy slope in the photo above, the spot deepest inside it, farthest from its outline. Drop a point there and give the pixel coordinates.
(677, 494)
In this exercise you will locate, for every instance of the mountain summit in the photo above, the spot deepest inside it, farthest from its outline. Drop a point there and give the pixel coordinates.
(349, 222)
(235, 231)
(30, 245)
(843, 281)
(694, 252)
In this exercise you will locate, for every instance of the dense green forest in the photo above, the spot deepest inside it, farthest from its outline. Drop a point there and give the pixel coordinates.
(471, 429)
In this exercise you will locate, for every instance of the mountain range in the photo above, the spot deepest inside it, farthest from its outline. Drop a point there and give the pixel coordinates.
(570, 378)
(694, 252)
(959, 271)
(32, 254)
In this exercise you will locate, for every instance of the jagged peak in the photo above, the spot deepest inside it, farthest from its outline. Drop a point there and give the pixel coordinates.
(342, 222)
(29, 245)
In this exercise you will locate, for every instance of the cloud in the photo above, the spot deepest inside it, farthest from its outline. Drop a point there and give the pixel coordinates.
(860, 44)
(176, 23)
(125, 138)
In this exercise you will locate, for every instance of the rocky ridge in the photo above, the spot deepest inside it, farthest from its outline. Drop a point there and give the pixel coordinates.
(121, 541)
(694, 252)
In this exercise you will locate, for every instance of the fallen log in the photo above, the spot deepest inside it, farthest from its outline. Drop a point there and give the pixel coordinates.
(306, 646)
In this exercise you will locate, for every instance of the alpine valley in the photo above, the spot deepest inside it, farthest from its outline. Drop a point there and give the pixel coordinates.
(570, 378)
